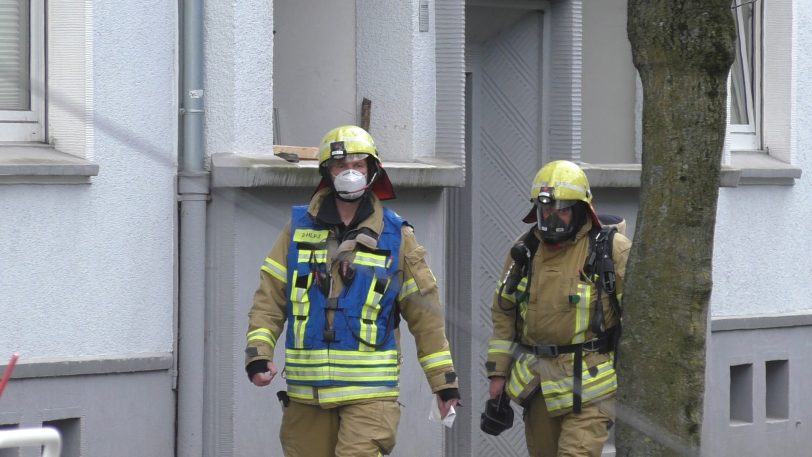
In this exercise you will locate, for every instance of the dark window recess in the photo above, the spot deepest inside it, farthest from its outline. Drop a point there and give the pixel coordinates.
(70, 431)
(777, 397)
(741, 393)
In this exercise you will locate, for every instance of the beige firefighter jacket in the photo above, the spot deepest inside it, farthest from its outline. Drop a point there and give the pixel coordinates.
(418, 302)
(554, 312)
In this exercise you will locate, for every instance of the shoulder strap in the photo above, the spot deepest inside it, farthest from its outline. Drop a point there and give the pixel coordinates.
(531, 242)
(601, 269)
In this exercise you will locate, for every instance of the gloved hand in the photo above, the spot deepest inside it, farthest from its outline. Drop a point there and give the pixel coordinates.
(261, 372)
(446, 399)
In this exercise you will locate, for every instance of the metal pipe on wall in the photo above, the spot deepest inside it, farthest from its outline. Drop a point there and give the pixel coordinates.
(193, 195)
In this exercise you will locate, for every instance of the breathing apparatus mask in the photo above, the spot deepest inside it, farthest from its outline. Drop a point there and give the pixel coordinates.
(551, 215)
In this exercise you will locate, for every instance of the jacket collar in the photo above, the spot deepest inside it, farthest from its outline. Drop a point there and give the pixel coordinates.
(369, 217)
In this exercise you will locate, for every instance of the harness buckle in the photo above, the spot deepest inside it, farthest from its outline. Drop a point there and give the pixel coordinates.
(546, 351)
(593, 345)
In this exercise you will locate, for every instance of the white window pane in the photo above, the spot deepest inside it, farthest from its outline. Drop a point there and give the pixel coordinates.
(742, 78)
(15, 55)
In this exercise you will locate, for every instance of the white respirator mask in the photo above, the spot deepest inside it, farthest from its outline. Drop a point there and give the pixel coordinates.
(350, 184)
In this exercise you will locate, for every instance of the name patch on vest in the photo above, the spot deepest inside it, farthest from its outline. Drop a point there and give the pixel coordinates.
(310, 236)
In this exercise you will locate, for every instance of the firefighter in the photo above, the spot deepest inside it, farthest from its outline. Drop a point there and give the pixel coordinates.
(556, 320)
(342, 273)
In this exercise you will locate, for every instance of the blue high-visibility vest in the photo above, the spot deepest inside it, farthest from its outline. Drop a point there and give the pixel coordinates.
(362, 349)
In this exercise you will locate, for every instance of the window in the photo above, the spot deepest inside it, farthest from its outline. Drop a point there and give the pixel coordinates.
(745, 77)
(22, 70)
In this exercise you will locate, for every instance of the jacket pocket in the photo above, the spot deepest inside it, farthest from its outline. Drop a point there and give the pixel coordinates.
(423, 277)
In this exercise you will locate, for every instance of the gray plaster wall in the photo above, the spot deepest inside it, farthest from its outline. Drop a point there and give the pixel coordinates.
(245, 223)
(757, 397)
(99, 415)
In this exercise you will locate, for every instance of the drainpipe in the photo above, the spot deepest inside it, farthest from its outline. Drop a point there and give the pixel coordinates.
(193, 195)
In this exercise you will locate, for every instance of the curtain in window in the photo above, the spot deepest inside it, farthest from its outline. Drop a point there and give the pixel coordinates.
(14, 55)
(741, 97)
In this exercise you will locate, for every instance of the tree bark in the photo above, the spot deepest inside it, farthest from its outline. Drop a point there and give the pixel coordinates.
(682, 50)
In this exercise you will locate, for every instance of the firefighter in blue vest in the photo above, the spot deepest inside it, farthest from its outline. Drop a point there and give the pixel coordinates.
(556, 321)
(341, 275)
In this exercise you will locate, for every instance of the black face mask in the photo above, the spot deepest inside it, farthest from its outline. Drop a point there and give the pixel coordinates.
(553, 230)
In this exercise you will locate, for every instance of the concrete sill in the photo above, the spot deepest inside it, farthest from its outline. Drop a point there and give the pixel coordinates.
(628, 175)
(266, 170)
(758, 168)
(22, 163)
(746, 168)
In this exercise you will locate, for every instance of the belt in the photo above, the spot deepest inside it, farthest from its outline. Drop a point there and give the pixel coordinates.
(552, 350)
(600, 344)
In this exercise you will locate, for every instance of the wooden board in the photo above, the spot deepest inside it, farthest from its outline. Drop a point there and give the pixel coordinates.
(303, 152)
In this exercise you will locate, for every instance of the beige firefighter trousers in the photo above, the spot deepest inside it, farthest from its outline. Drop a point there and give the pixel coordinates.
(357, 430)
(569, 435)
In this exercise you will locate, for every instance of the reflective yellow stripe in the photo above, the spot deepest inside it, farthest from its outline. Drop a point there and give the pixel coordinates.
(329, 395)
(349, 374)
(317, 256)
(582, 315)
(564, 385)
(508, 297)
(522, 285)
(520, 288)
(325, 356)
(310, 236)
(261, 334)
(587, 395)
(558, 393)
(300, 392)
(496, 346)
(520, 375)
(301, 307)
(275, 269)
(369, 312)
(370, 260)
(408, 288)
(438, 359)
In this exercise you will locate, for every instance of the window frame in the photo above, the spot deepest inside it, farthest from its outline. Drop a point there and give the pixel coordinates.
(29, 126)
(748, 137)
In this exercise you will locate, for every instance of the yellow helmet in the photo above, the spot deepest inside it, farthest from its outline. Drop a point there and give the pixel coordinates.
(346, 140)
(561, 180)
(560, 183)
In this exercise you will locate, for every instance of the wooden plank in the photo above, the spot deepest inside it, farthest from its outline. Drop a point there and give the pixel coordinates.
(303, 152)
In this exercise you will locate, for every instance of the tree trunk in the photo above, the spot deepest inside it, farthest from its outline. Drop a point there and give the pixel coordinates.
(683, 50)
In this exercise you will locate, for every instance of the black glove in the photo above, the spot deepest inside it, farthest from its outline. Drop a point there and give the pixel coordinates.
(257, 366)
(498, 415)
(448, 394)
